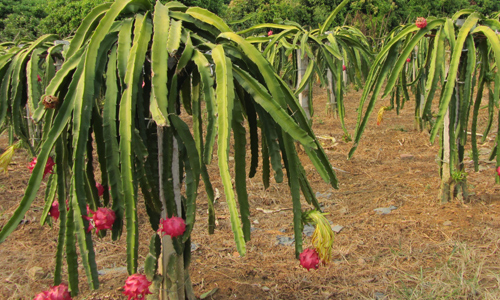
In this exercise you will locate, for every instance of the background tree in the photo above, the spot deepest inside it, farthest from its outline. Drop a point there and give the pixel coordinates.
(65, 16)
(21, 19)
(304, 12)
(218, 7)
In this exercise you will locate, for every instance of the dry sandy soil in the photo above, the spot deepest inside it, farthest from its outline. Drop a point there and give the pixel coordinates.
(421, 250)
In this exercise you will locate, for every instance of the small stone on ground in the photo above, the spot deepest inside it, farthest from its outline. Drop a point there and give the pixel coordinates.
(284, 240)
(385, 210)
(308, 230)
(337, 228)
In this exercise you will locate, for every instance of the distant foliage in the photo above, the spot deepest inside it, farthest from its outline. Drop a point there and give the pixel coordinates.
(305, 12)
(218, 7)
(374, 17)
(30, 19)
(20, 19)
(64, 16)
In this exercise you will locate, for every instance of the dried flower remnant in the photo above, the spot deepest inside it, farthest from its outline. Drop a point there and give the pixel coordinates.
(380, 115)
(7, 155)
(50, 102)
(323, 235)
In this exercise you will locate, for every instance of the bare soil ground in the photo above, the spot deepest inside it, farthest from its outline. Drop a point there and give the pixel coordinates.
(421, 250)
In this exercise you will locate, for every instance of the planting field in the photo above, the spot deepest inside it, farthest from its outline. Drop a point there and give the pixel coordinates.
(420, 249)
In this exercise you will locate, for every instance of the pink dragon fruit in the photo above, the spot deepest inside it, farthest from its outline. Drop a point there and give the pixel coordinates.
(309, 259)
(103, 218)
(59, 292)
(54, 210)
(344, 68)
(48, 166)
(421, 22)
(100, 189)
(32, 164)
(89, 218)
(174, 227)
(136, 285)
(269, 33)
(408, 60)
(43, 296)
(498, 171)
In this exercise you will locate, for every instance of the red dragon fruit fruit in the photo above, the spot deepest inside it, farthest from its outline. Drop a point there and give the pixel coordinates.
(136, 285)
(43, 296)
(100, 189)
(32, 164)
(48, 166)
(54, 210)
(59, 292)
(344, 68)
(309, 259)
(498, 171)
(103, 218)
(174, 227)
(408, 60)
(89, 218)
(269, 33)
(421, 22)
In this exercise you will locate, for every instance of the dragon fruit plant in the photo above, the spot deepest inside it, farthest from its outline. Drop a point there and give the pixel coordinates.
(322, 54)
(455, 81)
(190, 61)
